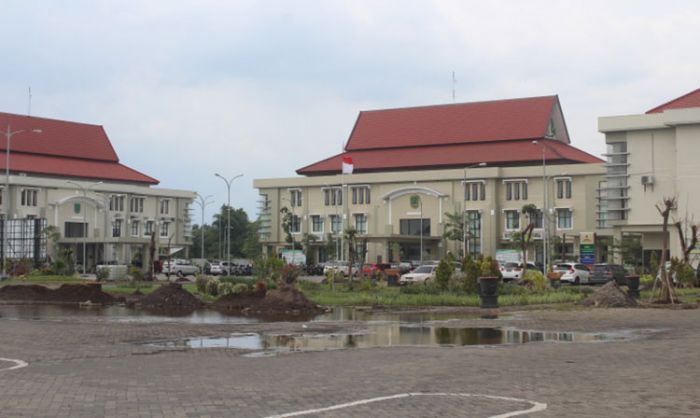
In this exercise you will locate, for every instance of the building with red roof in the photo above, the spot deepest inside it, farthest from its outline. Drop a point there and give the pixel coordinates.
(651, 157)
(418, 170)
(68, 175)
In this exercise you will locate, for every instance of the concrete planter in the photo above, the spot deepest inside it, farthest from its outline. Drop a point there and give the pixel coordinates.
(632, 286)
(488, 292)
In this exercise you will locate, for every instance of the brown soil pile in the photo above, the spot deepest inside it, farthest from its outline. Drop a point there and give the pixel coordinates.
(284, 301)
(171, 297)
(610, 296)
(67, 293)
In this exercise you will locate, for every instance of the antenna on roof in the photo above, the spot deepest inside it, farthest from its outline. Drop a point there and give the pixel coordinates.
(454, 86)
(29, 106)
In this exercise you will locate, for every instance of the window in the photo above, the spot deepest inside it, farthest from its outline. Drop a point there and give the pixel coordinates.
(360, 195)
(512, 219)
(516, 190)
(117, 228)
(295, 225)
(295, 198)
(2, 194)
(75, 230)
(361, 223)
(135, 228)
(29, 197)
(564, 218)
(563, 188)
(164, 229)
(475, 191)
(538, 220)
(316, 224)
(136, 204)
(116, 203)
(333, 197)
(148, 228)
(413, 226)
(336, 224)
(164, 207)
(473, 233)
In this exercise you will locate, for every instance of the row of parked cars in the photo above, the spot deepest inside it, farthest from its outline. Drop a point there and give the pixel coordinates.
(574, 273)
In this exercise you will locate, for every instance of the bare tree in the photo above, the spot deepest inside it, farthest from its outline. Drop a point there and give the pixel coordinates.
(667, 205)
(686, 246)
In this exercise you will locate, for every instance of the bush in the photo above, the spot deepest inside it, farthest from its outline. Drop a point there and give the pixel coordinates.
(227, 288)
(201, 284)
(213, 287)
(267, 267)
(248, 281)
(443, 273)
(239, 288)
(101, 273)
(136, 273)
(685, 275)
(513, 289)
(418, 289)
(534, 279)
(366, 284)
(471, 271)
(288, 274)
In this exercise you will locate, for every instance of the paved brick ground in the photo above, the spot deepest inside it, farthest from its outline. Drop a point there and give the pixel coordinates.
(98, 369)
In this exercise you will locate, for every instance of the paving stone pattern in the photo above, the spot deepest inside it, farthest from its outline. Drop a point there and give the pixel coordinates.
(102, 369)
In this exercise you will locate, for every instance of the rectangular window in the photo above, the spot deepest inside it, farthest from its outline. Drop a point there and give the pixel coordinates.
(509, 191)
(135, 228)
(539, 220)
(117, 228)
(413, 226)
(473, 233)
(116, 203)
(333, 197)
(164, 229)
(75, 230)
(563, 189)
(361, 223)
(136, 204)
(474, 191)
(516, 190)
(512, 220)
(295, 198)
(564, 219)
(295, 225)
(164, 207)
(29, 197)
(360, 195)
(148, 228)
(523, 191)
(316, 224)
(336, 224)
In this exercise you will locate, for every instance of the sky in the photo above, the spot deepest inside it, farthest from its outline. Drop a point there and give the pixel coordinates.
(186, 89)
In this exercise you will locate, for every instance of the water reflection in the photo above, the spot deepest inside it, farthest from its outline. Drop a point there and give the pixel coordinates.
(386, 335)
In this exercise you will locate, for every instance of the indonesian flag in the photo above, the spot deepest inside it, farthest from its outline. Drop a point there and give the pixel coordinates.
(347, 165)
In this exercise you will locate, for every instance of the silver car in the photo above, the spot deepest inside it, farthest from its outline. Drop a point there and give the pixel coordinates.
(420, 275)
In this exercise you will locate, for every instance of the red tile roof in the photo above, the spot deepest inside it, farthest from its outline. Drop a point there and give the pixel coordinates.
(63, 148)
(499, 120)
(497, 153)
(691, 99)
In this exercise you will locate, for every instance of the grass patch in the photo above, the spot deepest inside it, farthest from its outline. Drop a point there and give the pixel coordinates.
(689, 295)
(43, 279)
(392, 296)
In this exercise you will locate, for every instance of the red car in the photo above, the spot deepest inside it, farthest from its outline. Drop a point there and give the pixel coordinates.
(369, 269)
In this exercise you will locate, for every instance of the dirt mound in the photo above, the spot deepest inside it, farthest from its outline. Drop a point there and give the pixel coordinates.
(610, 296)
(171, 297)
(67, 293)
(284, 301)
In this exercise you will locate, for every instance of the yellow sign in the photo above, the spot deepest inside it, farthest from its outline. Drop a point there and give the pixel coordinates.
(587, 238)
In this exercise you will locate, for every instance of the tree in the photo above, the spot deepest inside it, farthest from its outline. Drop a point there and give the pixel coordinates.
(667, 205)
(331, 247)
(350, 236)
(252, 247)
(454, 226)
(524, 236)
(686, 246)
(287, 221)
(309, 240)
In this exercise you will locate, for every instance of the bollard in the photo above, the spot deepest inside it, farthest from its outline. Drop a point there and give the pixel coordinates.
(488, 292)
(632, 286)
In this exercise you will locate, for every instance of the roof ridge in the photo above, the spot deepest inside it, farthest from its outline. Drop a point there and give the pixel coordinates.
(659, 107)
(49, 119)
(458, 104)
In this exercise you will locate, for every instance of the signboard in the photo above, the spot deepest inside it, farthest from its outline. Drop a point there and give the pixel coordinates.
(587, 238)
(293, 256)
(508, 256)
(587, 254)
(415, 201)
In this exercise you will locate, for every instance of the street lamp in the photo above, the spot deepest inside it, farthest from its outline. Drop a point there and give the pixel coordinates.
(9, 133)
(228, 217)
(420, 202)
(202, 202)
(544, 209)
(85, 232)
(464, 214)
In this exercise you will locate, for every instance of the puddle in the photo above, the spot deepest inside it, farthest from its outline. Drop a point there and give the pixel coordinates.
(366, 314)
(388, 335)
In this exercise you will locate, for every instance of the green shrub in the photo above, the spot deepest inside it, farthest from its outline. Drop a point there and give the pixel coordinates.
(201, 284)
(213, 287)
(366, 284)
(225, 289)
(136, 273)
(443, 273)
(265, 267)
(248, 281)
(646, 280)
(534, 279)
(101, 273)
(471, 272)
(513, 289)
(288, 274)
(238, 288)
(685, 275)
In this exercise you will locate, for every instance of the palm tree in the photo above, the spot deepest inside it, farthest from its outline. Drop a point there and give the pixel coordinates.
(530, 211)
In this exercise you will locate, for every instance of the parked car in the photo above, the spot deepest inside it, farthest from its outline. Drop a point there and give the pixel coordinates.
(514, 271)
(419, 275)
(215, 268)
(369, 269)
(405, 267)
(342, 267)
(180, 267)
(573, 272)
(604, 272)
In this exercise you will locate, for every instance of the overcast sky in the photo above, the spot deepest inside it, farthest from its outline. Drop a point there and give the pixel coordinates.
(185, 89)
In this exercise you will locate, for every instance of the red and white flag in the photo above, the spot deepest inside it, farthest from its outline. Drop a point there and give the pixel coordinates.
(347, 165)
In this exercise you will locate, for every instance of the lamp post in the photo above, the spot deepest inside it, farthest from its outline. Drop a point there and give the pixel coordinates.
(464, 214)
(420, 202)
(202, 202)
(228, 217)
(9, 133)
(544, 209)
(85, 232)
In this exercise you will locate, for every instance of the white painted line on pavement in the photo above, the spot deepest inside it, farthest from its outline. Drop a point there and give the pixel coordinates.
(536, 406)
(18, 364)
